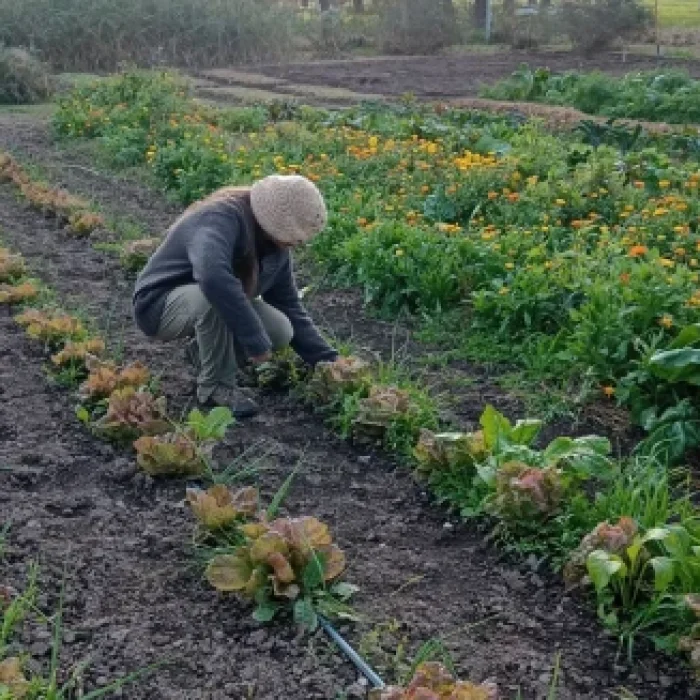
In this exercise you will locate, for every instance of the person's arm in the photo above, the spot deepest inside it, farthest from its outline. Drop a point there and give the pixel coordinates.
(211, 252)
(307, 341)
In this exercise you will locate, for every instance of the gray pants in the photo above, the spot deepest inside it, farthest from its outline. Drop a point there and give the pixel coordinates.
(188, 314)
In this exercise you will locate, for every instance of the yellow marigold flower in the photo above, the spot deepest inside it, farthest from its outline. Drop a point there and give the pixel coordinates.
(660, 211)
(509, 266)
(560, 202)
(664, 184)
(503, 291)
(666, 321)
(665, 262)
(609, 391)
(493, 195)
(399, 252)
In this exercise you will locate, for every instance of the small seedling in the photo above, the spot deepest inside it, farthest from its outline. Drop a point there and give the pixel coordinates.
(18, 293)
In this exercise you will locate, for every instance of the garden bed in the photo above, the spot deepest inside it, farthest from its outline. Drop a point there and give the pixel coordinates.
(131, 599)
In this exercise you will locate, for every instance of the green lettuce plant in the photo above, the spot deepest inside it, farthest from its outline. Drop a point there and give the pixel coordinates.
(523, 493)
(172, 454)
(439, 451)
(106, 377)
(285, 562)
(131, 414)
(219, 508)
(185, 450)
(613, 539)
(432, 681)
(638, 586)
(383, 406)
(330, 380)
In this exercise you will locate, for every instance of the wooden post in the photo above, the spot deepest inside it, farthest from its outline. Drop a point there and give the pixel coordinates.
(489, 19)
(480, 13)
(656, 19)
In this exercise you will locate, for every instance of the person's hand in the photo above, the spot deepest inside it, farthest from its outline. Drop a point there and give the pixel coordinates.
(261, 359)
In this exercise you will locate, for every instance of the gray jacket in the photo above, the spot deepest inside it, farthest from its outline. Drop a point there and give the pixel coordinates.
(202, 247)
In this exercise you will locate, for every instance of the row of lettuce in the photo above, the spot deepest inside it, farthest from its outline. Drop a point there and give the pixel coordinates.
(282, 565)
(575, 258)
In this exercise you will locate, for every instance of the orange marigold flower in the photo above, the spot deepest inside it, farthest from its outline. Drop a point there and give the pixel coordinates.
(636, 251)
(609, 391)
(625, 278)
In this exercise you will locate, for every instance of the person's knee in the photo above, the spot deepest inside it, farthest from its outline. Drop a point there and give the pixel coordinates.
(184, 309)
(280, 332)
(198, 304)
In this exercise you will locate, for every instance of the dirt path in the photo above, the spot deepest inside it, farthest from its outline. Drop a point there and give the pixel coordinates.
(124, 539)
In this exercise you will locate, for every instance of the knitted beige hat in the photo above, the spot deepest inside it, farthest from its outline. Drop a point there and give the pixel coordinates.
(289, 208)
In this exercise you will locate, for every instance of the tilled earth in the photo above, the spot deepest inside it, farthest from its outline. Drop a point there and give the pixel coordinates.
(79, 508)
(444, 77)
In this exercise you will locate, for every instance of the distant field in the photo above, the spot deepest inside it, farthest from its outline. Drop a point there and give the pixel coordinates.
(678, 13)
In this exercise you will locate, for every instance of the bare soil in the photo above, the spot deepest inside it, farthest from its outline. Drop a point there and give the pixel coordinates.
(441, 77)
(80, 509)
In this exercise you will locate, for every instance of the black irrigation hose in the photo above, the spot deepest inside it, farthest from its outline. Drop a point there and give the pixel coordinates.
(359, 663)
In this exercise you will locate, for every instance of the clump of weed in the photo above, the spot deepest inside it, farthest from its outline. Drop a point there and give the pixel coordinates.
(18, 293)
(23, 78)
(135, 254)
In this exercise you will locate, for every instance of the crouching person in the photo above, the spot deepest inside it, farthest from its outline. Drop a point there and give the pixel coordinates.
(223, 278)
